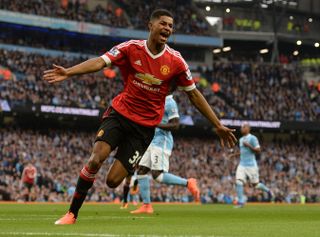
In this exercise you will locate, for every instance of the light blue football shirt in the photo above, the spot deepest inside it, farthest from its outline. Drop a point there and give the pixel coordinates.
(163, 138)
(247, 156)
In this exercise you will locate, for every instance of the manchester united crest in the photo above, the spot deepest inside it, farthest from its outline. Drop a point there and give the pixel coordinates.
(100, 133)
(165, 70)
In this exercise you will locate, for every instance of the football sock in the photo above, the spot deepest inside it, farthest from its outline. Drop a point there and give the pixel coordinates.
(263, 187)
(144, 183)
(171, 179)
(126, 189)
(239, 189)
(85, 182)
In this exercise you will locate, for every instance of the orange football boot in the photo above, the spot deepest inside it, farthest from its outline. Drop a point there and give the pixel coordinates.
(144, 209)
(67, 219)
(193, 189)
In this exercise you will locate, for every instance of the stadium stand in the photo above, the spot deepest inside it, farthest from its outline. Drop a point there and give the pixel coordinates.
(70, 10)
(270, 92)
(188, 20)
(289, 167)
(294, 99)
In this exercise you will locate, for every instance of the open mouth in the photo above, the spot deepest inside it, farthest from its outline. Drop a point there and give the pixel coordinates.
(164, 35)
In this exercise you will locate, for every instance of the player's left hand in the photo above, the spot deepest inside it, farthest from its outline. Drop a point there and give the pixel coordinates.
(226, 136)
(57, 74)
(246, 144)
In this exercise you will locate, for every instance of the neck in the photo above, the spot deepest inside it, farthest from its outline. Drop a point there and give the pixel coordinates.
(154, 48)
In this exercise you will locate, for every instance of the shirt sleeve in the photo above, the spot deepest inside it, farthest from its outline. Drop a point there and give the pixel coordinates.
(172, 110)
(255, 142)
(117, 55)
(184, 80)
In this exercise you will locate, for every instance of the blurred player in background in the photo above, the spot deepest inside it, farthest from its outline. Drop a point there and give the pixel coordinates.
(28, 179)
(248, 168)
(148, 69)
(157, 157)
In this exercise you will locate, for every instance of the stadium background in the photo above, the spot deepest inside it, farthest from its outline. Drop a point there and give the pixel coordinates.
(255, 61)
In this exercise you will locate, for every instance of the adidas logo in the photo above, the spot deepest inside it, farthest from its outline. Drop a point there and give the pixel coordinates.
(138, 62)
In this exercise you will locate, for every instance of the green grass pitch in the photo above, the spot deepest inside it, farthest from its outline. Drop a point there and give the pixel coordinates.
(106, 220)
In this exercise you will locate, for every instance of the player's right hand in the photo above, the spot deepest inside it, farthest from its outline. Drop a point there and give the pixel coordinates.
(57, 74)
(226, 136)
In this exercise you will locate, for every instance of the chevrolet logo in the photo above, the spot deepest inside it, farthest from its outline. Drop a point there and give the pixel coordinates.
(148, 79)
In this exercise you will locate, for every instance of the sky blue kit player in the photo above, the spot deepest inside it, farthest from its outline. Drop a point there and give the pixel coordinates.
(248, 167)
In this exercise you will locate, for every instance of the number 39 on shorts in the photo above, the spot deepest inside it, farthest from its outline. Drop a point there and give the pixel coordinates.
(135, 158)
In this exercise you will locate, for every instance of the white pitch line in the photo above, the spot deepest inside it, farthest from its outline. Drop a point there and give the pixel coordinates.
(95, 235)
(56, 234)
(53, 217)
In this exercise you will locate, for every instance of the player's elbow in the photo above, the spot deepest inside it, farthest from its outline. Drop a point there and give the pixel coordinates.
(175, 126)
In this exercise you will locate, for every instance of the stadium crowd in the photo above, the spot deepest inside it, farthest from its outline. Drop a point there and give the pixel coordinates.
(186, 17)
(245, 90)
(291, 168)
(261, 91)
(71, 10)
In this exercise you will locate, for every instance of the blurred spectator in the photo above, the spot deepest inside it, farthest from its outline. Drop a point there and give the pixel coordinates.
(28, 179)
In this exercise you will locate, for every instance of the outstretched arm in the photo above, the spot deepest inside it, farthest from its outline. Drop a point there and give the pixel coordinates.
(226, 134)
(59, 73)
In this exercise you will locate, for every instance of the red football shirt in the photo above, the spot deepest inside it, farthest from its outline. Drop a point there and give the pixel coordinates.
(147, 80)
(29, 174)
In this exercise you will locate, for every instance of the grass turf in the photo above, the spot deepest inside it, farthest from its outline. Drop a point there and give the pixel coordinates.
(105, 220)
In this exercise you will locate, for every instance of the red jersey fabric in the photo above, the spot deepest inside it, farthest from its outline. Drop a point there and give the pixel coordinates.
(147, 80)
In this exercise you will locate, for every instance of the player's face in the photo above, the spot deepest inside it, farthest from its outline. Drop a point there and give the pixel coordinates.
(161, 29)
(245, 129)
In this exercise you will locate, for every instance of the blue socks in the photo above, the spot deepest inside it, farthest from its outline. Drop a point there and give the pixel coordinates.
(240, 194)
(144, 183)
(263, 187)
(166, 178)
(171, 179)
(239, 189)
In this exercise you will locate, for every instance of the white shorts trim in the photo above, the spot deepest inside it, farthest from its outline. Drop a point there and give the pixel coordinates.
(247, 173)
(156, 158)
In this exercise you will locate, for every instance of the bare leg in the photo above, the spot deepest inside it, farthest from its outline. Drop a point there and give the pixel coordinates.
(116, 174)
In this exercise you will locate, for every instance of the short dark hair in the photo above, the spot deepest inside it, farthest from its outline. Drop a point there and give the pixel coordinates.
(156, 14)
